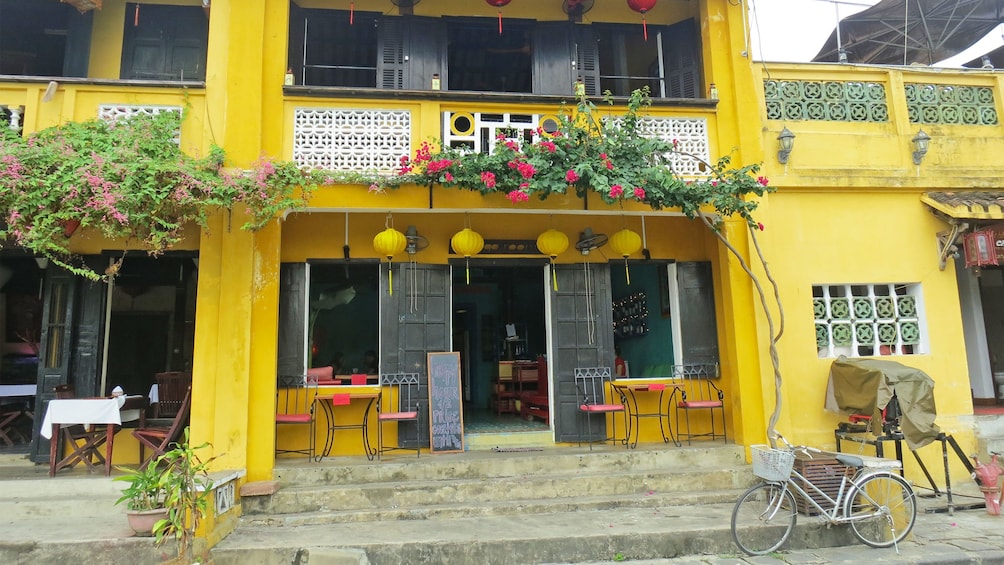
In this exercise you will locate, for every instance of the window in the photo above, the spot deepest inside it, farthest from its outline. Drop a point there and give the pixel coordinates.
(480, 59)
(666, 62)
(337, 52)
(344, 316)
(164, 42)
(868, 319)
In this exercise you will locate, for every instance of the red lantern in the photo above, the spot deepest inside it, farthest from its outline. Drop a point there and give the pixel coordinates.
(498, 4)
(642, 7)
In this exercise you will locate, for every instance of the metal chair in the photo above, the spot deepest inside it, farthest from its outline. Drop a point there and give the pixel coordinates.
(294, 406)
(590, 386)
(406, 406)
(696, 390)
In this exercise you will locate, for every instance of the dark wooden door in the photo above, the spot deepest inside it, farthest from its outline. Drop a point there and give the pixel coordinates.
(582, 335)
(164, 42)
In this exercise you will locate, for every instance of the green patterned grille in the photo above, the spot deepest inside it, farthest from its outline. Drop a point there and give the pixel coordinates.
(951, 104)
(834, 101)
(865, 320)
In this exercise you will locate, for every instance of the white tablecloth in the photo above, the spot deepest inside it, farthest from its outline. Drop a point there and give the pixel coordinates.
(154, 395)
(10, 391)
(85, 411)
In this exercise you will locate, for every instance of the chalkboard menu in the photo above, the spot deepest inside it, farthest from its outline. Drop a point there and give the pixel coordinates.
(446, 418)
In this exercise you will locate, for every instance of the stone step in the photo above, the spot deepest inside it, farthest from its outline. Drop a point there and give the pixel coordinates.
(508, 489)
(489, 464)
(647, 499)
(567, 537)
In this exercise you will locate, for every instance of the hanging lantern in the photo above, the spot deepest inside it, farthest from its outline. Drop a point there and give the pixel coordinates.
(467, 242)
(642, 7)
(552, 243)
(624, 243)
(389, 243)
(979, 248)
(498, 4)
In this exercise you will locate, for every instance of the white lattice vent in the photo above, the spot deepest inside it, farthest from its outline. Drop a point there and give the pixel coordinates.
(691, 136)
(113, 112)
(365, 141)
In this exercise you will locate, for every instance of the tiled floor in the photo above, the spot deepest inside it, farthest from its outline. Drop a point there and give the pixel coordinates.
(486, 422)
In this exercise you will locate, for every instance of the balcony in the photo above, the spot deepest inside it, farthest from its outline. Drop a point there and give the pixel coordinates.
(855, 124)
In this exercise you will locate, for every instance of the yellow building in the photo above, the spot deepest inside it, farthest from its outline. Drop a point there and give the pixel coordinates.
(354, 86)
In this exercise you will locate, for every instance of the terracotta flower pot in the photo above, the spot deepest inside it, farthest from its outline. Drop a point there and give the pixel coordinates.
(142, 521)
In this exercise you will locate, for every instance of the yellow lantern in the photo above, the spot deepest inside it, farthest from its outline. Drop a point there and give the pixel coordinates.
(467, 242)
(389, 243)
(552, 243)
(624, 243)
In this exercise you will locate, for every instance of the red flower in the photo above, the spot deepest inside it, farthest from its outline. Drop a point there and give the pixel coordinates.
(639, 193)
(527, 170)
(488, 178)
(571, 176)
(517, 196)
(762, 180)
(616, 191)
(549, 146)
(449, 177)
(610, 165)
(603, 156)
(760, 225)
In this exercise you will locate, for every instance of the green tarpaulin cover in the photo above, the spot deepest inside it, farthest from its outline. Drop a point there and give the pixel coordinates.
(865, 386)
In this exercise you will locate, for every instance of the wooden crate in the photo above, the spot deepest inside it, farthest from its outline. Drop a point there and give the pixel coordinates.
(823, 471)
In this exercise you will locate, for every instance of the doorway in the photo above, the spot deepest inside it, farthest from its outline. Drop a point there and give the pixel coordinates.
(498, 324)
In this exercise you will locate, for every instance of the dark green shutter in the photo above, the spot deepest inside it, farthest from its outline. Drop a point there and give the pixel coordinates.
(587, 59)
(697, 312)
(292, 346)
(552, 54)
(682, 58)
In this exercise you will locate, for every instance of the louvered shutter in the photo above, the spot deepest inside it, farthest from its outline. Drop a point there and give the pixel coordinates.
(587, 59)
(390, 54)
(683, 74)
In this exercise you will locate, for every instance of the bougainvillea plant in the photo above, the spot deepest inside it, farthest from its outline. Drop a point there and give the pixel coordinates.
(611, 156)
(128, 180)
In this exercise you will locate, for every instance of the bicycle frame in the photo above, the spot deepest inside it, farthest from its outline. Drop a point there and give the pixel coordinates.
(848, 488)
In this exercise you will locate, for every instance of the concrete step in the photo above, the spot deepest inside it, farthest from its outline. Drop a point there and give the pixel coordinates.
(567, 537)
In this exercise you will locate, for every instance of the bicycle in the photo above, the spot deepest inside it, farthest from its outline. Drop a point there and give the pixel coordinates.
(879, 505)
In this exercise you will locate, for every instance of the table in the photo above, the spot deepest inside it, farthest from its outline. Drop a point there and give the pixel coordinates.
(86, 412)
(23, 393)
(628, 392)
(328, 403)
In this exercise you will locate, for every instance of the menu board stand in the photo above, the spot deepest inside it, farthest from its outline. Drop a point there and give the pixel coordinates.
(446, 416)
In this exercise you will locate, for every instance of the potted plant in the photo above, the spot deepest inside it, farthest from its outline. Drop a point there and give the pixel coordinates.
(178, 484)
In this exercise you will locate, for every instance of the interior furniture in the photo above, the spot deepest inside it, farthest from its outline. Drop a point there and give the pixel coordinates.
(514, 378)
(405, 406)
(294, 407)
(590, 386)
(81, 416)
(15, 401)
(695, 390)
(533, 403)
(330, 404)
(159, 438)
(171, 389)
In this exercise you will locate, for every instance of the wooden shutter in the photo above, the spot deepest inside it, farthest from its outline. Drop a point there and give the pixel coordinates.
(682, 57)
(390, 53)
(292, 346)
(697, 312)
(168, 44)
(426, 51)
(582, 336)
(552, 53)
(415, 320)
(587, 59)
(76, 57)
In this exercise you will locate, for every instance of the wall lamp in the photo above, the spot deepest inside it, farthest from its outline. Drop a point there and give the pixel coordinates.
(920, 143)
(785, 140)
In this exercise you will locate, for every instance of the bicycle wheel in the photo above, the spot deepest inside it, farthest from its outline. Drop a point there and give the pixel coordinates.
(763, 518)
(885, 508)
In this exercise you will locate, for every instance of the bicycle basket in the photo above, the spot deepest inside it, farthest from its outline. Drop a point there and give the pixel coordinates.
(772, 464)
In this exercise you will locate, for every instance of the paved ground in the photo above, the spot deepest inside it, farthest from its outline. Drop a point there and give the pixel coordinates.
(966, 536)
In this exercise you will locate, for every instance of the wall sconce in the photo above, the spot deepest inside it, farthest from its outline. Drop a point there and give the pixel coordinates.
(785, 140)
(920, 144)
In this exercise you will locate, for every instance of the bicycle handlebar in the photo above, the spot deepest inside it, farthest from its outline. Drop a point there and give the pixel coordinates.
(803, 448)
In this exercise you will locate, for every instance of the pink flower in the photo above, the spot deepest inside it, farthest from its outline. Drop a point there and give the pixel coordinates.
(488, 178)
(603, 156)
(518, 196)
(438, 165)
(527, 170)
(762, 180)
(714, 182)
(616, 191)
(549, 146)
(760, 225)
(676, 142)
(512, 145)
(610, 165)
(639, 193)
(571, 176)
(449, 177)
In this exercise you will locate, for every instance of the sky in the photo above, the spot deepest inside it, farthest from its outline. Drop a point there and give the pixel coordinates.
(795, 30)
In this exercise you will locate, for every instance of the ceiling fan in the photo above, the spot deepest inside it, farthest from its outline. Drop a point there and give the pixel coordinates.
(415, 242)
(589, 241)
(575, 8)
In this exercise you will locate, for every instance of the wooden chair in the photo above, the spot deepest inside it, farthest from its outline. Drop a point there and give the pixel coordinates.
(171, 390)
(158, 438)
(84, 442)
(295, 406)
(534, 403)
(696, 390)
(590, 385)
(406, 406)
